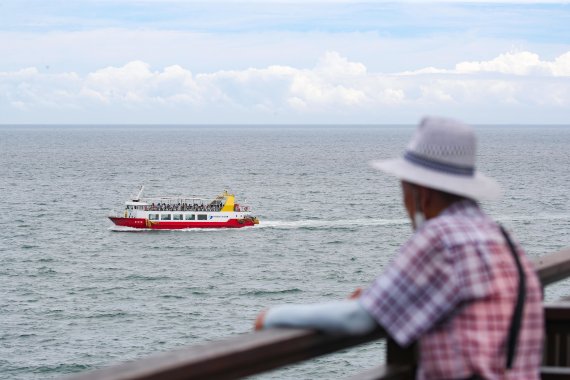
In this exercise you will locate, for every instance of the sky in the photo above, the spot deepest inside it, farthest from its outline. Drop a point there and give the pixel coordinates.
(283, 62)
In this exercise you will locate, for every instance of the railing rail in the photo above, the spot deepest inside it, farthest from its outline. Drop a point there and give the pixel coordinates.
(232, 358)
(554, 267)
(257, 352)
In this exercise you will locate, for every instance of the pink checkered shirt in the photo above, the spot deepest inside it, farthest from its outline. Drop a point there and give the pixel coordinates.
(453, 286)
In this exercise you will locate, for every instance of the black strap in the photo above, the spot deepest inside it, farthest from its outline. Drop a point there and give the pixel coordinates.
(517, 314)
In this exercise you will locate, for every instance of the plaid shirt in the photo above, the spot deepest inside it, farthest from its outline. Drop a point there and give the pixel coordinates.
(453, 286)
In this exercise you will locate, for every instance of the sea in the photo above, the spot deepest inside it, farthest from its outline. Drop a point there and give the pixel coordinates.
(78, 293)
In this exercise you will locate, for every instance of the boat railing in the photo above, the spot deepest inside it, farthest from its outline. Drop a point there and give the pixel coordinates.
(116, 213)
(256, 352)
(183, 208)
(242, 208)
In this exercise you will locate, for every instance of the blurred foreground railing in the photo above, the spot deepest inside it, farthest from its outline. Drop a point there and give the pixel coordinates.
(257, 352)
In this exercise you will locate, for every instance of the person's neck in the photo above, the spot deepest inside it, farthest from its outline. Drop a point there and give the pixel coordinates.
(438, 205)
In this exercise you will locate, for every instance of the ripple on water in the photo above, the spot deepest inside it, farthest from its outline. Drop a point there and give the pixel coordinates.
(173, 296)
(140, 277)
(60, 368)
(108, 315)
(270, 292)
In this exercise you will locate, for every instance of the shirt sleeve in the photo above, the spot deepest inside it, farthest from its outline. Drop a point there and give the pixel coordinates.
(340, 317)
(417, 290)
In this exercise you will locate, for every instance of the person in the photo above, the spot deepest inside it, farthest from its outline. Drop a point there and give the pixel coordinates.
(459, 286)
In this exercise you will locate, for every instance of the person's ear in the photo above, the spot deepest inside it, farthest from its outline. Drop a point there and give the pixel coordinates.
(425, 198)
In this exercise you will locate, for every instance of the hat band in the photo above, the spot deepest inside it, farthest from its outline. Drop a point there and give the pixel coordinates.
(441, 167)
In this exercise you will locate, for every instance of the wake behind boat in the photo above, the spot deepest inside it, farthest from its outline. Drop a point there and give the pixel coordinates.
(173, 213)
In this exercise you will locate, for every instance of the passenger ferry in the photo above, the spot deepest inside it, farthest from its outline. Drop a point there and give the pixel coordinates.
(173, 213)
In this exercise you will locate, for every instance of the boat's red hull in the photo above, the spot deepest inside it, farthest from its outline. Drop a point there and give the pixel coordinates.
(178, 225)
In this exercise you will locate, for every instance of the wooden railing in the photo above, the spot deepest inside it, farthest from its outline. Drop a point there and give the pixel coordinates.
(257, 352)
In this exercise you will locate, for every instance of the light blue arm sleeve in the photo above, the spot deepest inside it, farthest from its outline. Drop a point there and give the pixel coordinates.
(340, 317)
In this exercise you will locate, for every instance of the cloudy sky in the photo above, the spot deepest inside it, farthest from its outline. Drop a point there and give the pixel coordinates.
(190, 62)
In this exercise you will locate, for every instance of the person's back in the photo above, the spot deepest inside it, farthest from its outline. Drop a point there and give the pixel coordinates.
(453, 286)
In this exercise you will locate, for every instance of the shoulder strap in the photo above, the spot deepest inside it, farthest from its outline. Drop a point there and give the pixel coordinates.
(517, 314)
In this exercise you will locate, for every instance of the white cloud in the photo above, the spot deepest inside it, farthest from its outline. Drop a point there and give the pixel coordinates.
(136, 83)
(333, 65)
(333, 82)
(334, 86)
(523, 63)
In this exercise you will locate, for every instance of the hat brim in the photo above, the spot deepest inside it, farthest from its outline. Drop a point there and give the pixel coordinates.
(478, 186)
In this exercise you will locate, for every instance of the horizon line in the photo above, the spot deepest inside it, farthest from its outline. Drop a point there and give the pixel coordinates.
(258, 124)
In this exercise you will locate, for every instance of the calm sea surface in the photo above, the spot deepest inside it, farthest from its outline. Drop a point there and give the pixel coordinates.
(76, 294)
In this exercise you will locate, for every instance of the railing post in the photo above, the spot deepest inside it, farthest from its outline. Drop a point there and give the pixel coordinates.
(396, 355)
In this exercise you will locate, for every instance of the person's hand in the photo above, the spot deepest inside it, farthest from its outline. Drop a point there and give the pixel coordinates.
(356, 294)
(260, 320)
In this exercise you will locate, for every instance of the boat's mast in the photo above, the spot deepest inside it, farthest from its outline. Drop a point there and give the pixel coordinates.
(138, 197)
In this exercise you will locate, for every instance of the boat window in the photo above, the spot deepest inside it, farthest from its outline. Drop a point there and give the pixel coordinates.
(190, 216)
(165, 216)
(152, 216)
(202, 217)
(177, 217)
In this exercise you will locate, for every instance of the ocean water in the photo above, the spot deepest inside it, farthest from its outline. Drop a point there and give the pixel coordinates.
(76, 294)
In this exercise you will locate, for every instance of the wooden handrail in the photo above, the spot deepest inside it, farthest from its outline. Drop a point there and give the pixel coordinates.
(554, 267)
(257, 352)
(232, 358)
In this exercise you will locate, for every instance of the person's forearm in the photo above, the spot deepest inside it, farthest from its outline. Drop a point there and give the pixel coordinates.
(342, 317)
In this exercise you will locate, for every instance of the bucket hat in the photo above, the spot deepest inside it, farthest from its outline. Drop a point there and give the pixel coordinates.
(441, 156)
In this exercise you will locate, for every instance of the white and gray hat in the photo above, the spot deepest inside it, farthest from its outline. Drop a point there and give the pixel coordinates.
(441, 156)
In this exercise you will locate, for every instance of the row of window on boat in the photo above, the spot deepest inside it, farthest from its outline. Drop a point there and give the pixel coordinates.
(177, 217)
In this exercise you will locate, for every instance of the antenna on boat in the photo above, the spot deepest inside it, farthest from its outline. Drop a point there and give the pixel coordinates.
(138, 197)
